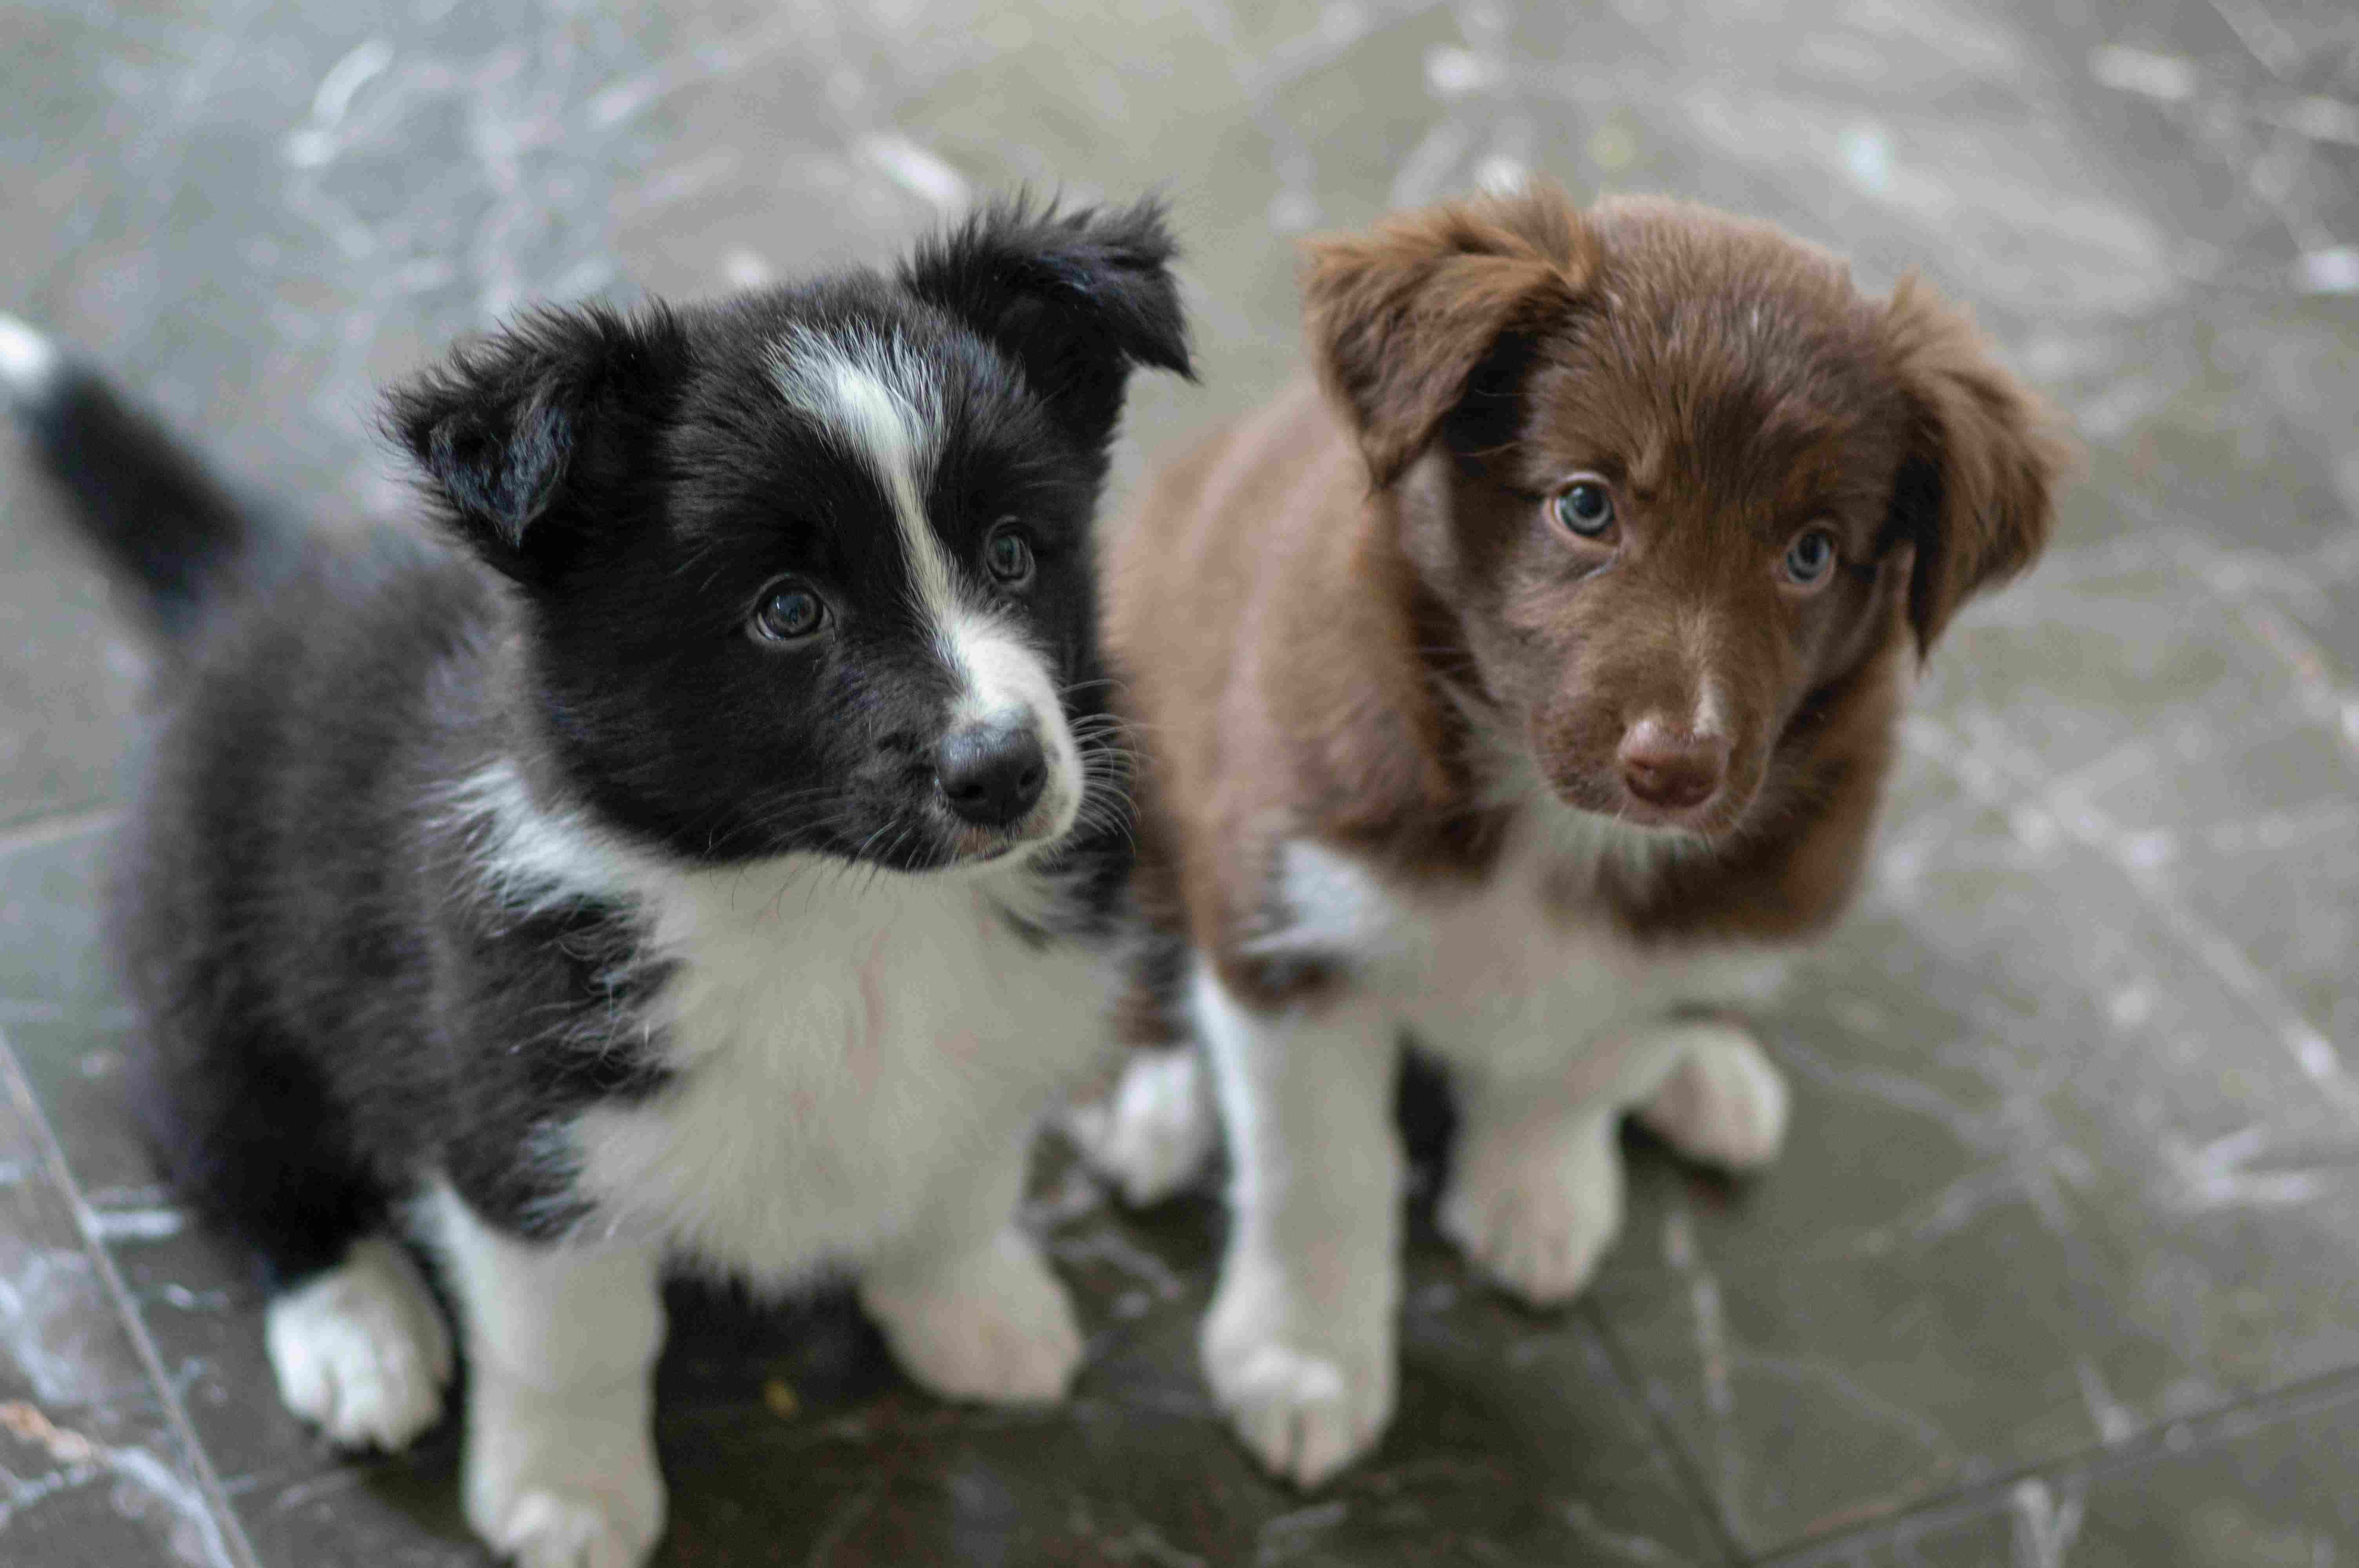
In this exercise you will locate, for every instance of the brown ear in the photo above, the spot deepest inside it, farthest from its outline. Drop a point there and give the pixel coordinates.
(1398, 317)
(1984, 451)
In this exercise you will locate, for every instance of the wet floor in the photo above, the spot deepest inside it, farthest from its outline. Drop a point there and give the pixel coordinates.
(2060, 1267)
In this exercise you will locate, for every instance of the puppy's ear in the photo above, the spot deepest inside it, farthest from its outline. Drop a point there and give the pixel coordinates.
(1077, 299)
(1984, 452)
(1399, 316)
(525, 434)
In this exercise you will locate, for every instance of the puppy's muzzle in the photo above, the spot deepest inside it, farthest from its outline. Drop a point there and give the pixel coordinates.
(991, 774)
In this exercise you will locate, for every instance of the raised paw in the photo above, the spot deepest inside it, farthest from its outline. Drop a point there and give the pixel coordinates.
(993, 1326)
(1725, 1104)
(558, 1481)
(1157, 1130)
(1535, 1202)
(1308, 1392)
(361, 1350)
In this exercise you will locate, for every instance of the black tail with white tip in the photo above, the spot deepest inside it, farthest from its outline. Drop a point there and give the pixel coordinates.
(161, 523)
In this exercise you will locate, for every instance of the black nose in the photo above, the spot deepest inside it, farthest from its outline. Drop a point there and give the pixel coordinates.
(991, 775)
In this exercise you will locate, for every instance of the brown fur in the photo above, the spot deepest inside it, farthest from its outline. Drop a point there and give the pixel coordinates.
(1321, 613)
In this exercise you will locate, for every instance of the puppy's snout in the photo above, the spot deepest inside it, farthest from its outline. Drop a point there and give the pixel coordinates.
(990, 774)
(1669, 768)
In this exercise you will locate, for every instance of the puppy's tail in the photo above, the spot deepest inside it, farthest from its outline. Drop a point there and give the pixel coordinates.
(163, 524)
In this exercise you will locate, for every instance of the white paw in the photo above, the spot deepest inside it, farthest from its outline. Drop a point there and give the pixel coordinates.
(1308, 1391)
(1156, 1132)
(361, 1350)
(993, 1326)
(1535, 1202)
(1725, 1104)
(563, 1481)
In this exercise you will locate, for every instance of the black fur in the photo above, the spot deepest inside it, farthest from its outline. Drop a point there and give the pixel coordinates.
(336, 1002)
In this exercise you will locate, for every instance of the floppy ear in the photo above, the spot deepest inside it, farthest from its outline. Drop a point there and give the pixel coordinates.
(1399, 316)
(1973, 494)
(523, 433)
(1077, 299)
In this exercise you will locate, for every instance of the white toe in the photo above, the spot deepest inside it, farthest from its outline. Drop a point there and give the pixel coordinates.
(361, 1350)
(1308, 1391)
(1536, 1203)
(566, 1481)
(993, 1326)
(1725, 1104)
(1158, 1130)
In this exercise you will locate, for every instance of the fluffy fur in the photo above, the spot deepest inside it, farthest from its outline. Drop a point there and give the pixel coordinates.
(693, 855)
(1525, 686)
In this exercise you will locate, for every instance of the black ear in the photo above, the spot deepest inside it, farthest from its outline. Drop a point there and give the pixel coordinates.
(1076, 298)
(517, 430)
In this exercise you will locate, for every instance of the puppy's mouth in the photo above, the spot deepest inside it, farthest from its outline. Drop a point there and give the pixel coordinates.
(1708, 819)
(1659, 792)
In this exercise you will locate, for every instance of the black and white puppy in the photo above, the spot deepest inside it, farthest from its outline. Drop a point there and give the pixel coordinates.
(698, 866)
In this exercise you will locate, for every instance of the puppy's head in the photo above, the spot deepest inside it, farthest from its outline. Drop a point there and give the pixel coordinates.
(1670, 476)
(809, 570)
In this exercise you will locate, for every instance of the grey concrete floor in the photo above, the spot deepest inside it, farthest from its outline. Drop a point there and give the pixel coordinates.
(2060, 1267)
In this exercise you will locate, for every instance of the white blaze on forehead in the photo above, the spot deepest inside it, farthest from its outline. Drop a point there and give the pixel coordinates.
(1711, 713)
(880, 399)
(1005, 673)
(1007, 681)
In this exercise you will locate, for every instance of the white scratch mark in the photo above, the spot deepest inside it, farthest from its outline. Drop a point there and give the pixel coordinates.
(1867, 154)
(2114, 1422)
(2044, 1528)
(1630, 1548)
(917, 169)
(2214, 1175)
(134, 1225)
(196, 1535)
(2165, 77)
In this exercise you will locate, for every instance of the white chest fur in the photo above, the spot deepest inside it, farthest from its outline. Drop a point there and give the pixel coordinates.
(848, 1049)
(846, 1055)
(1498, 976)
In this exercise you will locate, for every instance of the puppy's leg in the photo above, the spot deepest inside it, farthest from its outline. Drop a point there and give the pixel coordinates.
(1300, 1344)
(967, 1301)
(561, 1342)
(1535, 1191)
(361, 1349)
(1725, 1103)
(1156, 1130)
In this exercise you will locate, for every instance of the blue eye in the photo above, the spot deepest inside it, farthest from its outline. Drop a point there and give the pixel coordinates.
(790, 612)
(1010, 556)
(1809, 557)
(1586, 507)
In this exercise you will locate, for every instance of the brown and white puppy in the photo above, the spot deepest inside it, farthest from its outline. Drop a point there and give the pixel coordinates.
(1525, 686)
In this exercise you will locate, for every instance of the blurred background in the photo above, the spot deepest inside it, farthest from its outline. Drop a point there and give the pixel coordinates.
(2060, 1267)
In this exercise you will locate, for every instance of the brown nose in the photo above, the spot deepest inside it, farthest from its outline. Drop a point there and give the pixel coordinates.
(1666, 767)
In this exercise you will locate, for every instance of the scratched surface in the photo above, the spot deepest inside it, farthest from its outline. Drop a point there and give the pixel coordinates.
(2060, 1270)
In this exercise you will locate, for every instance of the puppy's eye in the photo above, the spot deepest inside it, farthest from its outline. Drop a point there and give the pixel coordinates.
(1586, 507)
(789, 612)
(1809, 557)
(1008, 555)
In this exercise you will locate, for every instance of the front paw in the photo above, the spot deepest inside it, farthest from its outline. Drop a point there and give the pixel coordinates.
(1534, 1203)
(562, 1481)
(1156, 1132)
(1725, 1104)
(361, 1349)
(993, 1326)
(1308, 1390)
